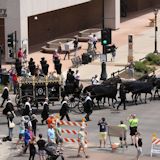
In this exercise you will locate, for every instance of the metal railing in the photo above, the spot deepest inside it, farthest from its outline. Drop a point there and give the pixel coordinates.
(127, 66)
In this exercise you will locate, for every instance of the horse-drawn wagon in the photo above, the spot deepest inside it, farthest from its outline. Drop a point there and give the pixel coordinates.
(38, 88)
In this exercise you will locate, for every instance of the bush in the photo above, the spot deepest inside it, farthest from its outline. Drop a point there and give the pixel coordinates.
(153, 59)
(142, 67)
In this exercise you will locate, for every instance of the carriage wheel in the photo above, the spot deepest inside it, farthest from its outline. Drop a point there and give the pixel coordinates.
(17, 99)
(72, 103)
(22, 101)
(80, 107)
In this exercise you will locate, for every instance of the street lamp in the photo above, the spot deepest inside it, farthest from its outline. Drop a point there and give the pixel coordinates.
(156, 29)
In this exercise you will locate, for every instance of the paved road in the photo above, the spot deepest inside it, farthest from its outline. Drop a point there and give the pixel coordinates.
(149, 123)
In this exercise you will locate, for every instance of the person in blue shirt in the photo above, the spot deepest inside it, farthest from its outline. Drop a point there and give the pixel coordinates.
(27, 138)
(51, 133)
(102, 131)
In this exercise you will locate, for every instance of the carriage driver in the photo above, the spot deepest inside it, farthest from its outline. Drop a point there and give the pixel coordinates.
(95, 80)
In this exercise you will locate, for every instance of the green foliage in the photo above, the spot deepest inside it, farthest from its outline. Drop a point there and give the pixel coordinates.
(153, 58)
(142, 67)
(1, 88)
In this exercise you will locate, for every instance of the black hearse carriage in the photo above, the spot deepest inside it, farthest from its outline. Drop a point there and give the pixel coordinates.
(38, 88)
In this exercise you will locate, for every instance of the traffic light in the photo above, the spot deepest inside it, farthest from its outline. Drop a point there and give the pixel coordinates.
(10, 40)
(107, 49)
(11, 54)
(106, 36)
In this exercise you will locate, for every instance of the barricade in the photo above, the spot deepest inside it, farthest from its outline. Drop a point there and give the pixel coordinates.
(155, 148)
(68, 131)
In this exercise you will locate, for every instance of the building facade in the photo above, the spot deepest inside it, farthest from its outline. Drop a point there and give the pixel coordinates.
(34, 22)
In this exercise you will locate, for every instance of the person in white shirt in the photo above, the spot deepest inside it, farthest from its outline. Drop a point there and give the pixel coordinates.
(82, 139)
(95, 80)
(94, 41)
(90, 42)
(77, 77)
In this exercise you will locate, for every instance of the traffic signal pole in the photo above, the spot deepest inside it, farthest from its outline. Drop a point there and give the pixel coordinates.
(103, 47)
(103, 64)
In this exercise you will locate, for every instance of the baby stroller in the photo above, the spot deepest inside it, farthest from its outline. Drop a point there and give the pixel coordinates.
(53, 152)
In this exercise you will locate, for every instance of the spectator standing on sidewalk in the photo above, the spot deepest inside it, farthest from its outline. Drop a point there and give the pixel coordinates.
(75, 43)
(138, 144)
(15, 82)
(5, 95)
(56, 56)
(59, 50)
(102, 131)
(90, 43)
(94, 41)
(113, 51)
(20, 55)
(82, 139)
(125, 134)
(77, 78)
(67, 50)
(133, 124)
(11, 125)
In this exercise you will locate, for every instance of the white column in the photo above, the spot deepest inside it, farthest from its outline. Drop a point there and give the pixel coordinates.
(12, 24)
(112, 14)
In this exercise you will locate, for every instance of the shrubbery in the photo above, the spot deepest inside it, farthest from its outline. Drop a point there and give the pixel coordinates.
(142, 67)
(152, 58)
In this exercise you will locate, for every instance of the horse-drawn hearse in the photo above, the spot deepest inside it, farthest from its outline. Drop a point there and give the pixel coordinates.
(38, 88)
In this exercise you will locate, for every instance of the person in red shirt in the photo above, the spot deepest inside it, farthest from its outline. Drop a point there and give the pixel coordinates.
(15, 81)
(20, 54)
(50, 120)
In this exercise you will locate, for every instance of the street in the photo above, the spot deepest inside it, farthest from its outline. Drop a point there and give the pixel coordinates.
(148, 115)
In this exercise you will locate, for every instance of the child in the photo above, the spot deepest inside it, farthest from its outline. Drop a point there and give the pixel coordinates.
(138, 144)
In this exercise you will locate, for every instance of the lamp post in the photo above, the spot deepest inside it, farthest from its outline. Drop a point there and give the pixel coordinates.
(156, 29)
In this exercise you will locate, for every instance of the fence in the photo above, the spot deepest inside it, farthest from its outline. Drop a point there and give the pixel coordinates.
(127, 66)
